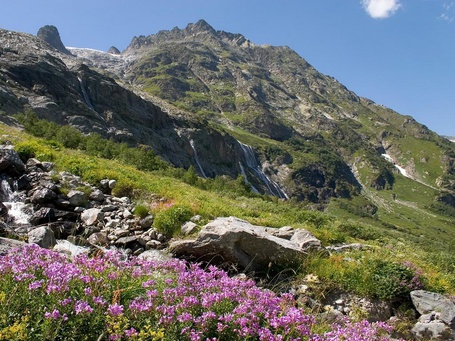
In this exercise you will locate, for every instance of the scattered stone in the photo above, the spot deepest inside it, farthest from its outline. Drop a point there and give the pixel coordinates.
(97, 195)
(109, 208)
(91, 216)
(77, 198)
(195, 219)
(435, 330)
(98, 238)
(47, 215)
(188, 228)
(43, 195)
(155, 255)
(112, 184)
(146, 222)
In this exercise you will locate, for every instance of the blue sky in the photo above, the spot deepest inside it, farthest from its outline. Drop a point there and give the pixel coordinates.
(399, 53)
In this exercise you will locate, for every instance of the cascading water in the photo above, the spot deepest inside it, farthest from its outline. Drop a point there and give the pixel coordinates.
(18, 212)
(196, 159)
(254, 165)
(85, 94)
(242, 171)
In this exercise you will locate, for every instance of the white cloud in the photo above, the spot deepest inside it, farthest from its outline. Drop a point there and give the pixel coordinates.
(379, 9)
(448, 11)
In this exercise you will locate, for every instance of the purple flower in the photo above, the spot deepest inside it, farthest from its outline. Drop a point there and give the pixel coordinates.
(131, 332)
(54, 315)
(35, 285)
(82, 307)
(115, 309)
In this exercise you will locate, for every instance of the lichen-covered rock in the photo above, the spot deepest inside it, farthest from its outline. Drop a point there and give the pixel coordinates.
(232, 240)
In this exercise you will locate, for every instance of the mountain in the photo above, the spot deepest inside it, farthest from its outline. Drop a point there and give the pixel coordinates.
(216, 101)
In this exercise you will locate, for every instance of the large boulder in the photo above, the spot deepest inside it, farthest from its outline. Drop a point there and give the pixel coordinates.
(10, 162)
(7, 244)
(47, 215)
(427, 302)
(43, 236)
(234, 241)
(437, 320)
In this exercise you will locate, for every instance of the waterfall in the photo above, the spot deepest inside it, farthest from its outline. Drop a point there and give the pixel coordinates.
(196, 159)
(242, 171)
(85, 94)
(255, 166)
(18, 211)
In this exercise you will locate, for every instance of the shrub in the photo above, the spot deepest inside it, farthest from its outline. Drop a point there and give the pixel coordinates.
(170, 220)
(124, 188)
(141, 211)
(394, 281)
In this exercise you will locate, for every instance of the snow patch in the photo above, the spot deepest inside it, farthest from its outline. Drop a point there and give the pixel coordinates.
(400, 169)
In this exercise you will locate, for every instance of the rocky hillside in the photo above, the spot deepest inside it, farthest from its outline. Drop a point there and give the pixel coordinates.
(218, 102)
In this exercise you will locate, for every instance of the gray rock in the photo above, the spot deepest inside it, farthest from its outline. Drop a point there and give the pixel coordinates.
(98, 238)
(195, 219)
(97, 195)
(153, 244)
(47, 215)
(285, 232)
(146, 222)
(426, 302)
(77, 198)
(70, 249)
(155, 255)
(47, 166)
(237, 241)
(131, 242)
(188, 228)
(10, 162)
(112, 184)
(51, 36)
(121, 233)
(109, 208)
(92, 216)
(43, 195)
(7, 244)
(434, 330)
(43, 236)
(127, 214)
(306, 240)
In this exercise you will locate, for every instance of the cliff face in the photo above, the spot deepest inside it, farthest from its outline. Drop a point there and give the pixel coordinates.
(216, 101)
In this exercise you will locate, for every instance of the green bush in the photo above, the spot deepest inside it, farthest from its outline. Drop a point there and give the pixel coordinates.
(141, 211)
(393, 281)
(170, 220)
(124, 188)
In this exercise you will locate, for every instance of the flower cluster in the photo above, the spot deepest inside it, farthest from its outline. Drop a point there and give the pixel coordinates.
(145, 300)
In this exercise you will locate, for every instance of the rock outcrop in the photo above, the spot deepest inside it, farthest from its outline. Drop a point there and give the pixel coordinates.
(234, 241)
(437, 320)
(51, 36)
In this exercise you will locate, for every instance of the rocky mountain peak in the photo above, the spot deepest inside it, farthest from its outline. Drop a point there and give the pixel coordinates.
(113, 50)
(51, 36)
(200, 26)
